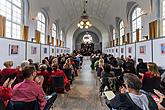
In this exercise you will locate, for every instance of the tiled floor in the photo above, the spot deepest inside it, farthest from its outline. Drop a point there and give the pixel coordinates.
(83, 94)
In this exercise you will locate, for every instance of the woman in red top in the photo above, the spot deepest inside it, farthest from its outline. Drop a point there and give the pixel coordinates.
(8, 72)
(151, 78)
(6, 91)
(57, 72)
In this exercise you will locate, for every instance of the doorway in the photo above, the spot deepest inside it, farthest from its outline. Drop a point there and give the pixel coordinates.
(87, 48)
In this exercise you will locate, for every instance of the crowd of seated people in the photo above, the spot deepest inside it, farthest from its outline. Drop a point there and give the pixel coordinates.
(28, 84)
(119, 73)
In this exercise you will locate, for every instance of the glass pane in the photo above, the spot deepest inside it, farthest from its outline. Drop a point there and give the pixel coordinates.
(134, 26)
(134, 15)
(138, 12)
(17, 2)
(134, 37)
(163, 27)
(139, 23)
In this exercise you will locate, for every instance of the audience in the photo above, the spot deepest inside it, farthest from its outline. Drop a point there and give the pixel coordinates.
(131, 98)
(31, 85)
(29, 90)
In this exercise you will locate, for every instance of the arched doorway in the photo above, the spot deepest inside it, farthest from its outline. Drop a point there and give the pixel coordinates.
(87, 42)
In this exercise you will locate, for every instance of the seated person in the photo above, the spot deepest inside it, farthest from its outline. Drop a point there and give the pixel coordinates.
(6, 92)
(131, 98)
(152, 75)
(68, 69)
(28, 90)
(57, 72)
(106, 74)
(141, 66)
(19, 77)
(45, 74)
(8, 72)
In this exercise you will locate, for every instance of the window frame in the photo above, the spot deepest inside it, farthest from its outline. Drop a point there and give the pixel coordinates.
(121, 31)
(114, 36)
(12, 17)
(133, 30)
(43, 24)
(162, 5)
(54, 31)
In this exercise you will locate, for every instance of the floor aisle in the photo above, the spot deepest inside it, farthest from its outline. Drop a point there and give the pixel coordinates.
(83, 94)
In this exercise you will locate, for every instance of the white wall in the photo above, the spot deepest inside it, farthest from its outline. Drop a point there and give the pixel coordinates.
(116, 51)
(158, 57)
(6, 51)
(124, 50)
(152, 51)
(132, 52)
(52, 51)
(147, 55)
(43, 52)
(30, 55)
(24, 51)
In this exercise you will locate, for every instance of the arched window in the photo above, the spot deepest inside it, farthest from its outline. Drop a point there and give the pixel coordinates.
(41, 26)
(121, 32)
(12, 10)
(61, 35)
(114, 37)
(136, 23)
(54, 31)
(163, 16)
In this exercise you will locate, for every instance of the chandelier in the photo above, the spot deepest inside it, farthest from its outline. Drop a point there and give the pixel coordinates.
(84, 19)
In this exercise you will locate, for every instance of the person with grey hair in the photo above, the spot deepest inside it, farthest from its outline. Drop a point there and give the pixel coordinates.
(131, 98)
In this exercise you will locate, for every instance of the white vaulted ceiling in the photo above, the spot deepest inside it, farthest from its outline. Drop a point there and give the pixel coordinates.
(67, 11)
(95, 8)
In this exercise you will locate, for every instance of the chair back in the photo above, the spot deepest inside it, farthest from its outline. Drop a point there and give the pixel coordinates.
(68, 73)
(2, 105)
(58, 83)
(148, 84)
(18, 105)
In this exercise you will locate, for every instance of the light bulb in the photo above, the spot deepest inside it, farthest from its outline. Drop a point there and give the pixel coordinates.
(86, 27)
(82, 23)
(88, 23)
(78, 25)
(81, 27)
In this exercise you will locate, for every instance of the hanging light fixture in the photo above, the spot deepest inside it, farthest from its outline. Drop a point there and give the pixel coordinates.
(84, 19)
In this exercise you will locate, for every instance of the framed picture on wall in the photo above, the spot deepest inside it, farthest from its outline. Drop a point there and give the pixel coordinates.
(13, 49)
(163, 48)
(142, 49)
(45, 50)
(122, 50)
(52, 50)
(116, 50)
(57, 50)
(129, 49)
(33, 50)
